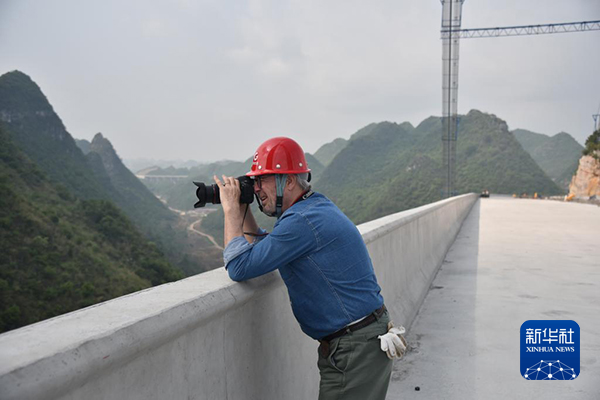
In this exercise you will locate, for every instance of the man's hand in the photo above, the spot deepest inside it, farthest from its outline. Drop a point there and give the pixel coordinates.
(229, 190)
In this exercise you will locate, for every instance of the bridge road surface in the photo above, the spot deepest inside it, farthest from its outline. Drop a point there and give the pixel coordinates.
(513, 260)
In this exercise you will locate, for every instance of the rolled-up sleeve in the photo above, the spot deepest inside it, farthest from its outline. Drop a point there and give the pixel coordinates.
(235, 247)
(293, 237)
(261, 235)
(239, 245)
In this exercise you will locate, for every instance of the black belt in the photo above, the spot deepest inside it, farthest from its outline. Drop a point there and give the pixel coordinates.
(374, 316)
(324, 343)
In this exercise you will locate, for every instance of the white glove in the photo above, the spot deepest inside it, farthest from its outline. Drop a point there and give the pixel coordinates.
(393, 343)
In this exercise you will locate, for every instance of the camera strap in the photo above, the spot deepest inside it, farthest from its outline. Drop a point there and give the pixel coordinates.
(250, 233)
(260, 207)
(304, 196)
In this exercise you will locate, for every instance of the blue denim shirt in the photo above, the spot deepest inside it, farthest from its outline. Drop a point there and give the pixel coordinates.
(323, 261)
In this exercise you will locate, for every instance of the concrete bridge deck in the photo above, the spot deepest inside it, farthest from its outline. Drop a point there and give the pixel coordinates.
(513, 260)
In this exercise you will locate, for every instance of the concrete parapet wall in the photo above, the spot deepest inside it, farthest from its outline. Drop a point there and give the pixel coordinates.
(408, 248)
(206, 337)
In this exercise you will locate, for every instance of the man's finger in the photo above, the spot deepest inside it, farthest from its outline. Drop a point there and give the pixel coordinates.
(404, 341)
(392, 351)
(397, 331)
(383, 344)
(230, 180)
(397, 342)
(217, 180)
(226, 180)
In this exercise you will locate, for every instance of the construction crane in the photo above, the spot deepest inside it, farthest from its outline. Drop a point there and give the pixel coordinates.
(451, 34)
(522, 30)
(451, 22)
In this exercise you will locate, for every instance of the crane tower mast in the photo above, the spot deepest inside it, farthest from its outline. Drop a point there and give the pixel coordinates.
(451, 34)
(451, 21)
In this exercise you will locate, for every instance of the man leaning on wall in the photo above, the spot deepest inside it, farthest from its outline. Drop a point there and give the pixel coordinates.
(324, 264)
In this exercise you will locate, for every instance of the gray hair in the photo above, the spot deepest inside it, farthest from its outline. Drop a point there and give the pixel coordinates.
(302, 181)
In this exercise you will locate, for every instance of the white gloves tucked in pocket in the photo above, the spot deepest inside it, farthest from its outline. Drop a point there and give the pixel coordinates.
(393, 343)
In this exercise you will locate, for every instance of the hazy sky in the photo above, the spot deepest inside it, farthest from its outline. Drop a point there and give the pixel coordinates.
(209, 80)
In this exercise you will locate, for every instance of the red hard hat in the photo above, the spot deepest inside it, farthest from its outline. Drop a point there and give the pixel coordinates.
(280, 155)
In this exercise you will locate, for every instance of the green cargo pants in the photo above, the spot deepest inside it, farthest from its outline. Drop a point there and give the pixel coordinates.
(356, 368)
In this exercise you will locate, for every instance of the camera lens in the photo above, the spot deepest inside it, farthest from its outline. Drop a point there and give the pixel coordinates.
(211, 194)
(207, 194)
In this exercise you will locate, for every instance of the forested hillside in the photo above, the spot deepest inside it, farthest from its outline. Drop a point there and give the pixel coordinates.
(40, 133)
(390, 167)
(58, 252)
(77, 228)
(154, 219)
(326, 153)
(99, 174)
(558, 155)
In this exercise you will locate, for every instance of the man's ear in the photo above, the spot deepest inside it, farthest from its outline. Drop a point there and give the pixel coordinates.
(291, 182)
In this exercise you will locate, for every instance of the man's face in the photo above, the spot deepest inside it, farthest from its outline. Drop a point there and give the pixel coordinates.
(266, 189)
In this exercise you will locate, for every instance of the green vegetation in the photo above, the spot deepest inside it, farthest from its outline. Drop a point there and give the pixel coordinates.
(592, 145)
(83, 145)
(388, 167)
(40, 133)
(98, 175)
(328, 151)
(558, 156)
(157, 222)
(370, 161)
(59, 253)
(77, 229)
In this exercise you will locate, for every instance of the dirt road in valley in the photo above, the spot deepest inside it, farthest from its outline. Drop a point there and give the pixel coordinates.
(192, 228)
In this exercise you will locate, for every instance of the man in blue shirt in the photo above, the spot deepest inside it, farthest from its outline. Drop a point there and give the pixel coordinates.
(324, 263)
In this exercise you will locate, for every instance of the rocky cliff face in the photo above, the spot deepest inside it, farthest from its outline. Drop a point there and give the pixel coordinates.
(40, 134)
(128, 192)
(586, 181)
(111, 161)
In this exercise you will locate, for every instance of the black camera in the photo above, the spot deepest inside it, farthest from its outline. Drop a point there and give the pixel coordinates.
(211, 194)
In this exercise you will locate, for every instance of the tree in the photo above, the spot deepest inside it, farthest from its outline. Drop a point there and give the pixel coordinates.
(592, 145)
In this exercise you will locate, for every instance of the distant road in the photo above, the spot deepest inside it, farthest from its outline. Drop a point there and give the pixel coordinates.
(212, 239)
(192, 227)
